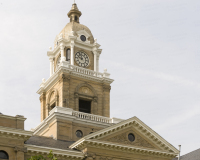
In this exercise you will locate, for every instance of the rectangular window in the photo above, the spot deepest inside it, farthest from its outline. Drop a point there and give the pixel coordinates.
(84, 106)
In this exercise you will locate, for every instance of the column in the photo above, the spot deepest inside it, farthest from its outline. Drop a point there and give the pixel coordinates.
(51, 66)
(98, 62)
(72, 52)
(95, 60)
(63, 58)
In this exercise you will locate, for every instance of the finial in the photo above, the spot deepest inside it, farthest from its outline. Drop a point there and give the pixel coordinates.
(74, 14)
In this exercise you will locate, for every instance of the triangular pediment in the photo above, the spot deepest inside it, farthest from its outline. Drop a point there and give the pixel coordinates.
(122, 137)
(117, 136)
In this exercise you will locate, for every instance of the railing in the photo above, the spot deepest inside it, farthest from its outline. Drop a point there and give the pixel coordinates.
(84, 71)
(91, 117)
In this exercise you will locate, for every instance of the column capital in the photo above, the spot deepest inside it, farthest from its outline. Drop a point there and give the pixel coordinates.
(72, 44)
(51, 59)
(62, 46)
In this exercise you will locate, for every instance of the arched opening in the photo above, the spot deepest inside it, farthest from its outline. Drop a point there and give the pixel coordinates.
(68, 54)
(76, 18)
(52, 106)
(3, 155)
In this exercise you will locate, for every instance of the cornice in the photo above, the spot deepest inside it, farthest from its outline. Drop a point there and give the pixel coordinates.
(124, 148)
(12, 117)
(63, 69)
(55, 116)
(57, 152)
(15, 133)
(143, 128)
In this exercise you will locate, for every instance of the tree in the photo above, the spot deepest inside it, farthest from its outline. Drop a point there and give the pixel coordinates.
(50, 156)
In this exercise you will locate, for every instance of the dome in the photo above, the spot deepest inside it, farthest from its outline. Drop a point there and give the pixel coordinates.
(74, 25)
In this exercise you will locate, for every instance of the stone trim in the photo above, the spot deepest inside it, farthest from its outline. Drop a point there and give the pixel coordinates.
(57, 152)
(125, 148)
(15, 133)
(12, 117)
(139, 125)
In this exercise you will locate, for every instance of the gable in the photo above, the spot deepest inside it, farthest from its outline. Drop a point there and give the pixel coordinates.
(122, 138)
(115, 137)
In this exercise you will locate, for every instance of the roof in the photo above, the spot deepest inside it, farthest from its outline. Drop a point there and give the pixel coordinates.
(132, 122)
(194, 155)
(49, 142)
(75, 27)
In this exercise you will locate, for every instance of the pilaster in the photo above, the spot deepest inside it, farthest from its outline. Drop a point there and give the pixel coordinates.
(51, 65)
(63, 58)
(43, 105)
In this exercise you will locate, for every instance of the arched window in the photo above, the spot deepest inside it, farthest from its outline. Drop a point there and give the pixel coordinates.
(68, 54)
(3, 155)
(76, 18)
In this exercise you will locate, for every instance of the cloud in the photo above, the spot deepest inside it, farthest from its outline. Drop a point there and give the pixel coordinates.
(179, 118)
(158, 75)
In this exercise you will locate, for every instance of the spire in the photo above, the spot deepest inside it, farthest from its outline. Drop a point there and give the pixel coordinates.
(74, 14)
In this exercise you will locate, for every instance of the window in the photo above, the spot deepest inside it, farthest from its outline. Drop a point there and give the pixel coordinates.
(84, 106)
(131, 137)
(52, 106)
(3, 155)
(83, 38)
(76, 18)
(68, 54)
(79, 134)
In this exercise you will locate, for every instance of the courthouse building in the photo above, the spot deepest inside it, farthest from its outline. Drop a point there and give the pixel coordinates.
(75, 110)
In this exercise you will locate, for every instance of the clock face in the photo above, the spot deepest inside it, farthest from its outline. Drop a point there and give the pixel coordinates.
(82, 59)
(58, 62)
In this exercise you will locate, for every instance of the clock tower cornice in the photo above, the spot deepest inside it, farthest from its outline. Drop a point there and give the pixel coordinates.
(65, 67)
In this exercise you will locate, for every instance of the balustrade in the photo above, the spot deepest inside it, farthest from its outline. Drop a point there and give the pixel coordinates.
(86, 71)
(91, 117)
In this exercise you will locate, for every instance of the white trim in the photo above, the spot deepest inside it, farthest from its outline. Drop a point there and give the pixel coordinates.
(14, 131)
(115, 145)
(77, 71)
(143, 128)
(61, 152)
(83, 32)
(68, 114)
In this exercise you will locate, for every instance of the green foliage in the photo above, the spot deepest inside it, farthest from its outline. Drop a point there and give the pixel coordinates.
(50, 156)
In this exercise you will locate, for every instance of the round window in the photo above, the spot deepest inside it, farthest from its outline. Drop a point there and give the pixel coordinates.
(79, 134)
(83, 38)
(131, 137)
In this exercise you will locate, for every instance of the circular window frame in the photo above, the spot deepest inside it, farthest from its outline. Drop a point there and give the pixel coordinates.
(131, 132)
(80, 132)
(86, 54)
(83, 38)
(57, 65)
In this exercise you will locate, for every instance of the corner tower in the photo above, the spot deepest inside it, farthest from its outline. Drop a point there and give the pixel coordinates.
(75, 81)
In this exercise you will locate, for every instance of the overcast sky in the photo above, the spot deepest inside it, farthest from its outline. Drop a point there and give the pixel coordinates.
(150, 47)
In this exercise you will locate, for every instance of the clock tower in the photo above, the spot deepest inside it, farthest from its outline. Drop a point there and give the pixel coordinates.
(75, 81)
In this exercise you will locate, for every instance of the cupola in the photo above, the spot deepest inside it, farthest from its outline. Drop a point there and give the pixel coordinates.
(74, 14)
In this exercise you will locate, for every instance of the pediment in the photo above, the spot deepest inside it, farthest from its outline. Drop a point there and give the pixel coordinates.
(122, 137)
(83, 32)
(116, 136)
